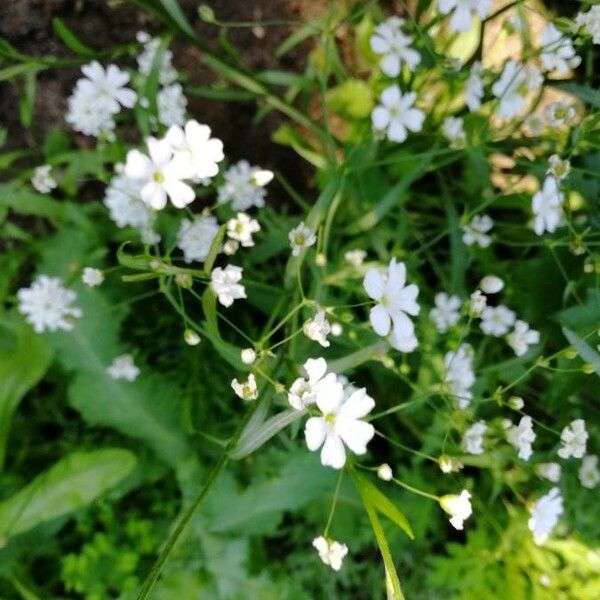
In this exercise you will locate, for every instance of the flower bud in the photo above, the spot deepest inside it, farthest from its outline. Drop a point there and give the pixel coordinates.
(491, 284)
(248, 356)
(384, 472)
(184, 280)
(191, 337)
(516, 402)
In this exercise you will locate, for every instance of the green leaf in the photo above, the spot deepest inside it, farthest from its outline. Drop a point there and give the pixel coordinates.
(297, 37)
(27, 100)
(585, 351)
(214, 250)
(70, 40)
(24, 359)
(174, 11)
(355, 359)
(70, 484)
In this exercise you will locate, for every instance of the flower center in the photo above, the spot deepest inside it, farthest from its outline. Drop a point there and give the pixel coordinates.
(159, 177)
(330, 419)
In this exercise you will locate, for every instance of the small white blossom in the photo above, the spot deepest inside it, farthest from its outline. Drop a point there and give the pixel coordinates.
(355, 257)
(476, 231)
(446, 312)
(395, 301)
(389, 41)
(558, 168)
(85, 116)
(332, 553)
(384, 472)
(246, 390)
(463, 12)
(48, 305)
(248, 356)
(449, 464)
(243, 186)
(396, 115)
(166, 72)
(303, 391)
(171, 104)
(545, 514)
(491, 284)
(558, 53)
(546, 205)
(574, 439)
(549, 471)
(589, 476)
(522, 337)
(317, 329)
(516, 81)
(123, 367)
(474, 88)
(472, 441)
(301, 237)
(477, 303)
(92, 277)
(458, 507)
(42, 181)
(497, 320)
(195, 237)
(460, 375)
(241, 229)
(225, 283)
(522, 436)
(124, 202)
(590, 21)
(560, 114)
(453, 130)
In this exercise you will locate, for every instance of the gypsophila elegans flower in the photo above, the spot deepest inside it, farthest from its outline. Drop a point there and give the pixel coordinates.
(446, 312)
(589, 475)
(171, 104)
(590, 22)
(303, 391)
(394, 47)
(472, 442)
(458, 507)
(241, 228)
(167, 74)
(42, 180)
(246, 390)
(332, 553)
(92, 277)
(558, 167)
(549, 471)
(574, 440)
(558, 54)
(48, 305)
(460, 376)
(453, 130)
(463, 12)
(301, 237)
(195, 237)
(225, 283)
(497, 320)
(355, 257)
(397, 115)
(244, 186)
(522, 337)
(545, 514)
(318, 328)
(546, 205)
(476, 231)
(522, 436)
(123, 367)
(560, 114)
(513, 87)
(474, 87)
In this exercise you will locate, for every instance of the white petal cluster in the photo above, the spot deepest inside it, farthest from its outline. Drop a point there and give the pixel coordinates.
(195, 237)
(522, 436)
(42, 180)
(355, 257)
(171, 104)
(446, 312)
(453, 130)
(522, 337)
(226, 284)
(332, 553)
(460, 375)
(546, 205)
(550, 471)
(515, 83)
(241, 229)
(396, 115)
(243, 186)
(472, 441)
(590, 22)
(303, 392)
(395, 302)
(497, 320)
(560, 114)
(558, 54)
(474, 88)
(458, 507)
(246, 390)
(574, 440)
(545, 514)
(48, 305)
(476, 231)
(477, 303)
(317, 329)
(463, 12)
(389, 41)
(301, 237)
(123, 367)
(589, 475)
(167, 74)
(92, 277)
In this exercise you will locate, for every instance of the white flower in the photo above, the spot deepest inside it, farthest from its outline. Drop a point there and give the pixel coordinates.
(474, 87)
(303, 391)
(590, 20)
(193, 147)
(123, 367)
(318, 328)
(195, 237)
(246, 390)
(475, 231)
(589, 476)
(393, 44)
(522, 337)
(477, 303)
(84, 115)
(560, 114)
(47, 305)
(355, 257)
(332, 553)
(92, 277)
(472, 441)
(248, 356)
(491, 284)
(460, 375)
(162, 176)
(384, 472)
(166, 73)
(546, 205)
(545, 514)
(301, 237)
(549, 471)
(124, 202)
(522, 436)
(448, 464)
(446, 311)
(225, 283)
(463, 12)
(453, 130)
(574, 439)
(558, 53)
(42, 181)
(396, 115)
(559, 168)
(395, 301)
(497, 320)
(241, 229)
(171, 104)
(515, 83)
(458, 507)
(243, 186)
(340, 423)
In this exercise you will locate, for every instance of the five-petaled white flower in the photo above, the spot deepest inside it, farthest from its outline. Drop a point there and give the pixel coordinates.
(226, 284)
(162, 175)
(560, 114)
(589, 476)
(340, 423)
(332, 553)
(458, 507)
(42, 181)
(497, 320)
(301, 237)
(395, 301)
(546, 205)
(48, 305)
(522, 337)
(92, 277)
(558, 168)
(476, 231)
(389, 41)
(241, 228)
(522, 436)
(574, 439)
(516, 81)
(446, 311)
(123, 367)
(463, 12)
(246, 390)
(545, 514)
(318, 328)
(549, 471)
(396, 115)
(558, 53)
(472, 441)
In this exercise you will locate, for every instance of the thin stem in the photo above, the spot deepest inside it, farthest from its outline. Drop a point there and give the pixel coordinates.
(333, 504)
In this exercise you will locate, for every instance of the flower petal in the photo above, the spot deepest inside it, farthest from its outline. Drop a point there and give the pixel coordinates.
(315, 431)
(354, 433)
(358, 405)
(380, 320)
(374, 284)
(333, 453)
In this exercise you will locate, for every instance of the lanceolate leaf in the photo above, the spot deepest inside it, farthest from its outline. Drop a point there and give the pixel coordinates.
(584, 350)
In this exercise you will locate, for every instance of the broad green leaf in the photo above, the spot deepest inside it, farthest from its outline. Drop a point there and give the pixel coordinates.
(69, 485)
(24, 358)
(585, 351)
(70, 40)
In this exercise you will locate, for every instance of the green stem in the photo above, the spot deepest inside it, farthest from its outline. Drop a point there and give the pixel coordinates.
(333, 504)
